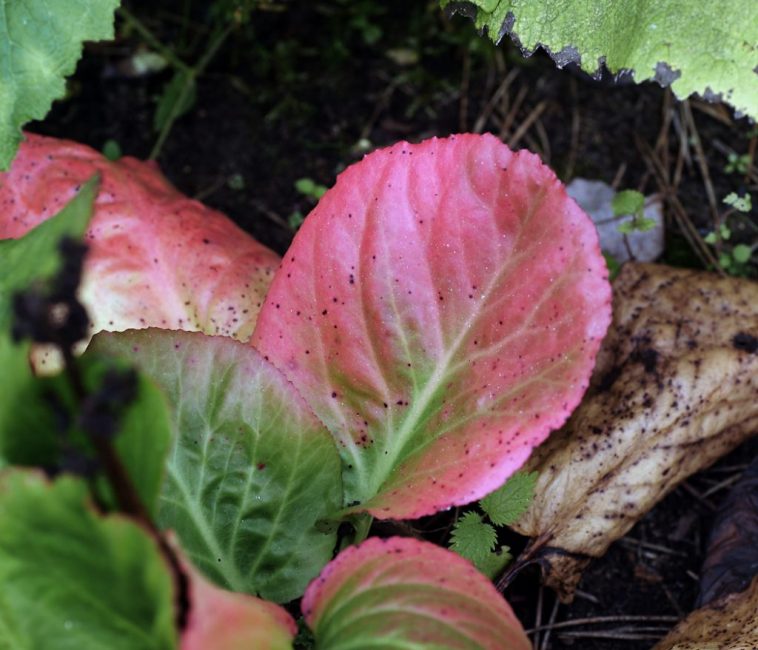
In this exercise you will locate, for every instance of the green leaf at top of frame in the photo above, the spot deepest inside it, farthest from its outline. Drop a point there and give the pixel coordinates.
(73, 579)
(40, 43)
(506, 504)
(709, 48)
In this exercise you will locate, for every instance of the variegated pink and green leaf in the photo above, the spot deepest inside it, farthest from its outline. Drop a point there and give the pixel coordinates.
(405, 593)
(252, 478)
(440, 310)
(157, 258)
(224, 620)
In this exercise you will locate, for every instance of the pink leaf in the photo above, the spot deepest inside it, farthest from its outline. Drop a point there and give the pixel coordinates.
(157, 258)
(224, 620)
(440, 309)
(405, 592)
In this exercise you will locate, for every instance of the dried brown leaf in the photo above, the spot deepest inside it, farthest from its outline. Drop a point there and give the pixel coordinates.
(729, 623)
(732, 558)
(674, 389)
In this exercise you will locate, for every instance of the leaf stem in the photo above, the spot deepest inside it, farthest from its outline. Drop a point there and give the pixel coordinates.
(127, 496)
(191, 75)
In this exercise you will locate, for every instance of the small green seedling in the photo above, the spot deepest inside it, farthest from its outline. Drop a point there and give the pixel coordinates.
(309, 188)
(631, 202)
(112, 150)
(737, 164)
(733, 259)
(312, 191)
(476, 540)
(739, 203)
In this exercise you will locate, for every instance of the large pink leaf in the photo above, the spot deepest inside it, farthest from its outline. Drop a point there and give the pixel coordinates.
(157, 258)
(440, 309)
(224, 620)
(403, 593)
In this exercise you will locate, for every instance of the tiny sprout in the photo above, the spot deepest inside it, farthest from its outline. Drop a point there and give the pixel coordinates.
(236, 182)
(631, 202)
(737, 164)
(742, 253)
(739, 203)
(308, 187)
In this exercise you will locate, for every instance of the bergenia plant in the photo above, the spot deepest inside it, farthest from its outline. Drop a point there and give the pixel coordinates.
(437, 315)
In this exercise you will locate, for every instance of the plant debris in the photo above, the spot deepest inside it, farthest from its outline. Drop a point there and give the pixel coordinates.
(671, 393)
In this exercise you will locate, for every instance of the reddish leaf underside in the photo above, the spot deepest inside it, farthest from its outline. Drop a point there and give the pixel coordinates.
(157, 259)
(411, 592)
(440, 309)
(225, 620)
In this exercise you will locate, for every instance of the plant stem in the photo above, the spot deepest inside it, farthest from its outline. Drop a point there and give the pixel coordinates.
(127, 496)
(191, 76)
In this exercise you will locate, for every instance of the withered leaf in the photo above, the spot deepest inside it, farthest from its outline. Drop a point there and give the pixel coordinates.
(674, 389)
(729, 623)
(732, 558)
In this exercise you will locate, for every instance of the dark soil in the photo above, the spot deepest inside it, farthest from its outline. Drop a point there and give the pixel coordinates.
(303, 91)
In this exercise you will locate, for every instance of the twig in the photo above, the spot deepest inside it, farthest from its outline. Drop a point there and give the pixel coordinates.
(551, 624)
(598, 620)
(702, 163)
(527, 123)
(126, 494)
(481, 120)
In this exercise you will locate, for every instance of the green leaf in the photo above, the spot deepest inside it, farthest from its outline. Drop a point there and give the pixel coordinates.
(44, 432)
(112, 150)
(253, 476)
(74, 580)
(627, 202)
(23, 261)
(472, 538)
(698, 47)
(613, 265)
(404, 594)
(639, 224)
(711, 238)
(40, 44)
(305, 186)
(177, 99)
(506, 504)
(739, 203)
(742, 253)
(34, 256)
(495, 562)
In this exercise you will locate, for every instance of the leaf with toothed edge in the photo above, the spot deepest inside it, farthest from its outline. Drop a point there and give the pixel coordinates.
(707, 48)
(252, 475)
(41, 43)
(440, 310)
(405, 593)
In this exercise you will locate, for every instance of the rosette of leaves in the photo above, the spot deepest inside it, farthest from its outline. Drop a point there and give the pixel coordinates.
(436, 317)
